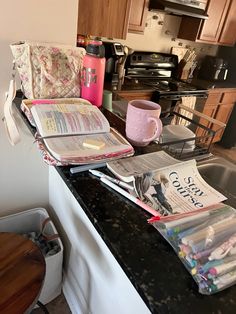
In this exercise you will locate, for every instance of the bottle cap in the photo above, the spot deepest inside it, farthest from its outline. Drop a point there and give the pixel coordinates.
(96, 49)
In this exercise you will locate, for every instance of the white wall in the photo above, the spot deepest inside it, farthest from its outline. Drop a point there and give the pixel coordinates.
(23, 175)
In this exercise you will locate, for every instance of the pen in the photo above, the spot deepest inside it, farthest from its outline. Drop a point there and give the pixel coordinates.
(129, 196)
(223, 249)
(86, 167)
(180, 218)
(188, 218)
(217, 227)
(203, 253)
(214, 217)
(223, 268)
(118, 182)
(184, 227)
(225, 280)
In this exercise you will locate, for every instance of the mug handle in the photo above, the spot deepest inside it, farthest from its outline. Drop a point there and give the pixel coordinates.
(158, 129)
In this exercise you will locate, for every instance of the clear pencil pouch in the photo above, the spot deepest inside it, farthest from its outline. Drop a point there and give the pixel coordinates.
(205, 241)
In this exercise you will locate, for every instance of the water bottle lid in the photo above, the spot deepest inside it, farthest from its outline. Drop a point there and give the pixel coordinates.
(96, 48)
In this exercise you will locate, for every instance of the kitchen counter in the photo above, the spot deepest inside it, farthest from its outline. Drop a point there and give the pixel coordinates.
(145, 257)
(210, 84)
(138, 87)
(128, 85)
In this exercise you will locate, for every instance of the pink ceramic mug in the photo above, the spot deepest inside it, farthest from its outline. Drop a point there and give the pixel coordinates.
(142, 122)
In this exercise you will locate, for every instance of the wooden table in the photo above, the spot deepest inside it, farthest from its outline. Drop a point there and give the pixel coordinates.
(22, 271)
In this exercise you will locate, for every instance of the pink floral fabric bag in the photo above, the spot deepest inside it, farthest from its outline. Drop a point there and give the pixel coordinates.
(48, 70)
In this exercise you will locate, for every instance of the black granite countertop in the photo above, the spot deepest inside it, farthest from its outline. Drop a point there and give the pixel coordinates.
(133, 86)
(147, 259)
(211, 84)
(128, 86)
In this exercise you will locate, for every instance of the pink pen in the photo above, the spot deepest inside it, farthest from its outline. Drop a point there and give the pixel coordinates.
(155, 218)
(43, 101)
(116, 181)
(130, 197)
(202, 254)
(225, 265)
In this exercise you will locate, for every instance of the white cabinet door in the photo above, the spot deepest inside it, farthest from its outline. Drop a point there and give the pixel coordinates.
(94, 282)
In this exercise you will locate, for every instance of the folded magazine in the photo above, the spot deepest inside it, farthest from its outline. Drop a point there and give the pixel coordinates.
(168, 185)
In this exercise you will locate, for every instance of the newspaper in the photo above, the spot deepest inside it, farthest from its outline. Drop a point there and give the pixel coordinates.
(166, 184)
(126, 169)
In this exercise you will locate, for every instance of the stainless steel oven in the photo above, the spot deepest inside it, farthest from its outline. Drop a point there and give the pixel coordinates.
(169, 102)
(158, 70)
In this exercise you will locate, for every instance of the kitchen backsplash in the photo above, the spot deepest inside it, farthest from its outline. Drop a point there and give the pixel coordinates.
(161, 34)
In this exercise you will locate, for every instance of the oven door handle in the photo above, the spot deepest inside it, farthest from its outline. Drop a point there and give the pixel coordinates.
(178, 97)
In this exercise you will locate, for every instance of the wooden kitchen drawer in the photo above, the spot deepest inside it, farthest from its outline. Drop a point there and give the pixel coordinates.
(219, 106)
(229, 98)
(213, 98)
(223, 114)
(136, 95)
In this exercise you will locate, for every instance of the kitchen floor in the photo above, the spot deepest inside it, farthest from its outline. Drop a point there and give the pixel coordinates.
(57, 306)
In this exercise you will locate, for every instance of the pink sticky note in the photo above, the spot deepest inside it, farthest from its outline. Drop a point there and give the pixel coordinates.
(43, 101)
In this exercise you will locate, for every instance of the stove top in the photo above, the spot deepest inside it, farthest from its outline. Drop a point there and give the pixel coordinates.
(159, 70)
(169, 86)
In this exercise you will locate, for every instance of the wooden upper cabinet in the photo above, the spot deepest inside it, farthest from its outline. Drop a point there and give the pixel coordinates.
(228, 34)
(210, 29)
(104, 18)
(229, 97)
(138, 16)
(220, 28)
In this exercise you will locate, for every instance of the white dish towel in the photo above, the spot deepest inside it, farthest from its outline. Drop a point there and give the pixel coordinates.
(188, 101)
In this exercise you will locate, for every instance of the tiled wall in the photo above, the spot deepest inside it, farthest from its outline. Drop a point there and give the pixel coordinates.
(161, 34)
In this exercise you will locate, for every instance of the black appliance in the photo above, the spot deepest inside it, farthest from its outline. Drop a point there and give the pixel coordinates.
(113, 53)
(159, 71)
(213, 69)
(194, 8)
(229, 54)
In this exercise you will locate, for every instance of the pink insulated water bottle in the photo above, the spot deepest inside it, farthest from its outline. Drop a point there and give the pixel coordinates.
(92, 78)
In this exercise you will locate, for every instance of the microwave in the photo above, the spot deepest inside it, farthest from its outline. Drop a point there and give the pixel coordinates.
(196, 8)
